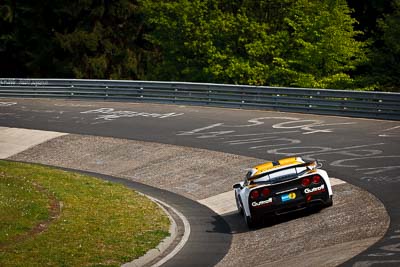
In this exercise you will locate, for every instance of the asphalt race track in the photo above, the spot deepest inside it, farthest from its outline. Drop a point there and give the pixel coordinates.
(363, 152)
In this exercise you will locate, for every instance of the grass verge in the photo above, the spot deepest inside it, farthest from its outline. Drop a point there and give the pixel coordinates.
(58, 218)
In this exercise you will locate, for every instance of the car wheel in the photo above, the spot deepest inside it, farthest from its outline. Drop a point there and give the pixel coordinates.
(329, 203)
(250, 222)
(239, 205)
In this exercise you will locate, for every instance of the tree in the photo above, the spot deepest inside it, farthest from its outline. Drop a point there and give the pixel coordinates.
(103, 39)
(303, 43)
(367, 13)
(24, 38)
(323, 47)
(81, 39)
(384, 70)
(270, 42)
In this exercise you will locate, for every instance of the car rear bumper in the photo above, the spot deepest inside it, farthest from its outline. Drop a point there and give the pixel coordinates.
(283, 204)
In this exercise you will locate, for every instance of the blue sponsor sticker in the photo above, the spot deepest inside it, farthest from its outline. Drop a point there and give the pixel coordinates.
(287, 197)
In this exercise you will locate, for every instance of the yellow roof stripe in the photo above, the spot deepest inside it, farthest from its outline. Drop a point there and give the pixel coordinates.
(263, 167)
(288, 161)
(269, 165)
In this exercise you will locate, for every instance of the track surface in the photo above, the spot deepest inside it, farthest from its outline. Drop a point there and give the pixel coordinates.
(363, 152)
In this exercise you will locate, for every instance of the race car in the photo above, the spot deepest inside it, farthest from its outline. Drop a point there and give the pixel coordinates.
(280, 187)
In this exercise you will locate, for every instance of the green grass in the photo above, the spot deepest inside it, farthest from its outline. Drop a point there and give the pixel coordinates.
(100, 223)
(22, 207)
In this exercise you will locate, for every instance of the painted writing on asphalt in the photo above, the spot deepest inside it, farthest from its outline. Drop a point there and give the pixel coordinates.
(289, 123)
(391, 132)
(7, 104)
(281, 143)
(391, 249)
(111, 114)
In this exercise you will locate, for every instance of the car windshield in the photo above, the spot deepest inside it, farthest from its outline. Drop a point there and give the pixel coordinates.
(280, 176)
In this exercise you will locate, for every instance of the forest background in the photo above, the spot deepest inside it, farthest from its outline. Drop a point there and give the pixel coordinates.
(335, 44)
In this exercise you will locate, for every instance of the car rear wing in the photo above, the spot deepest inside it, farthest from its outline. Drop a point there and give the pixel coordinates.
(310, 165)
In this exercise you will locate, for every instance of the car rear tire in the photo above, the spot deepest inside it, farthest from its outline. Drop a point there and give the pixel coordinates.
(250, 222)
(329, 203)
(239, 205)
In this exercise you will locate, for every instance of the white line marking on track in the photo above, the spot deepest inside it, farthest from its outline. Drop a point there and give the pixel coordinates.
(389, 130)
(150, 255)
(183, 241)
(257, 134)
(395, 127)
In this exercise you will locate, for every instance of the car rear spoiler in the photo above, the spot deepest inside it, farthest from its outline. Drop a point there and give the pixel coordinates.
(314, 164)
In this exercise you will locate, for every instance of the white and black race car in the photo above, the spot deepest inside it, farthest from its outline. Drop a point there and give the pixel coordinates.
(280, 187)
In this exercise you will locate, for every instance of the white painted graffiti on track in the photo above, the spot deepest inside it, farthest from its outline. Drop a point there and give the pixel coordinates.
(390, 132)
(389, 250)
(73, 105)
(313, 151)
(377, 263)
(375, 173)
(281, 143)
(306, 126)
(340, 163)
(7, 104)
(110, 114)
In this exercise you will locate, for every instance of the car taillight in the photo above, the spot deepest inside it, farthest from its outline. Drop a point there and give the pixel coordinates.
(316, 179)
(254, 194)
(265, 192)
(306, 182)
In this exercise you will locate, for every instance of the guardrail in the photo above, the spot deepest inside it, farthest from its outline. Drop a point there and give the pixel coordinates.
(380, 105)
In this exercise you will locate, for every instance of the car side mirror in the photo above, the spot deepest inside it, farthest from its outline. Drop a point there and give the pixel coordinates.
(236, 186)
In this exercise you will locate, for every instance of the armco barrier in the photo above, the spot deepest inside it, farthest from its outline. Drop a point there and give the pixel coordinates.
(379, 105)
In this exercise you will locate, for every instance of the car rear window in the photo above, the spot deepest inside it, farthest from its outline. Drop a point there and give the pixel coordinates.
(280, 176)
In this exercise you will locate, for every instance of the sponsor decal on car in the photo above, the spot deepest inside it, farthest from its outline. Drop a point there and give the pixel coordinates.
(262, 202)
(315, 190)
(288, 197)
